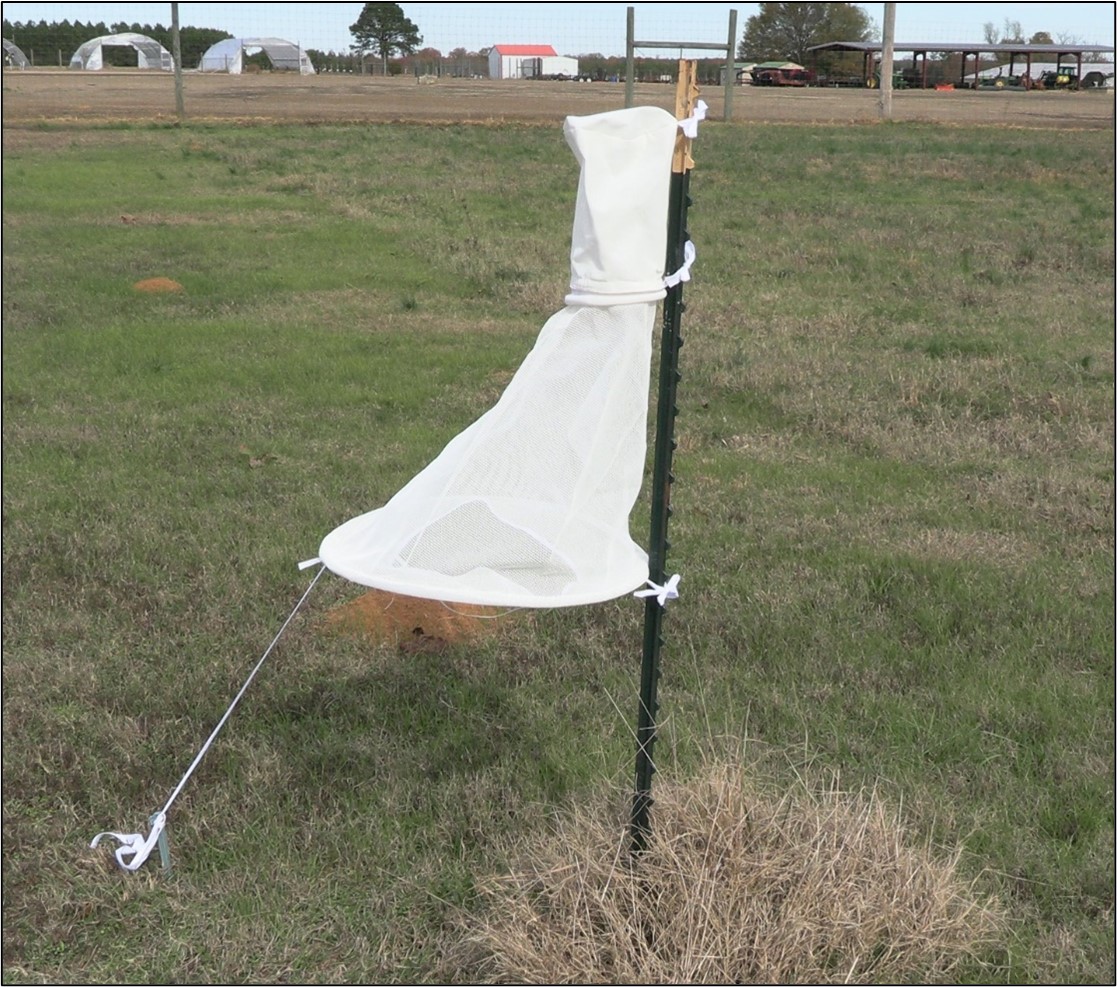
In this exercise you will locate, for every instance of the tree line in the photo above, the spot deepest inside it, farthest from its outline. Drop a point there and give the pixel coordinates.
(55, 43)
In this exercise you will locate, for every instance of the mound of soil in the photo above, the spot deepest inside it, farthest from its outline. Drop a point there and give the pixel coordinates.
(157, 286)
(412, 623)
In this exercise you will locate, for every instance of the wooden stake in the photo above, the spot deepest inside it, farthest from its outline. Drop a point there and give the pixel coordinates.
(686, 99)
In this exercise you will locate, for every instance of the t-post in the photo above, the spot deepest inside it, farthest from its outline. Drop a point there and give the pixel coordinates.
(671, 341)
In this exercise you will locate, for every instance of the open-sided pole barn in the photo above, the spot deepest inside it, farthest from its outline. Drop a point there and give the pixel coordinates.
(1017, 54)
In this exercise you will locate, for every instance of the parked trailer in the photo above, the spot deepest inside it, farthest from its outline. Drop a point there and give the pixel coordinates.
(555, 69)
(784, 77)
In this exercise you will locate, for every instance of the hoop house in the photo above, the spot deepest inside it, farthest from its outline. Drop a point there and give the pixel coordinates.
(149, 53)
(13, 57)
(228, 55)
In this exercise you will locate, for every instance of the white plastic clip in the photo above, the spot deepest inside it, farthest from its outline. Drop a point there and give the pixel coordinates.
(308, 563)
(670, 591)
(683, 273)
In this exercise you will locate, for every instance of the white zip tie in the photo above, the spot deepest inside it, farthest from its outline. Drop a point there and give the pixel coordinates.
(689, 126)
(139, 847)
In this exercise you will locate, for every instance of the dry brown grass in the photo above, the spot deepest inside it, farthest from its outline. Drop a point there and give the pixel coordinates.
(63, 97)
(738, 885)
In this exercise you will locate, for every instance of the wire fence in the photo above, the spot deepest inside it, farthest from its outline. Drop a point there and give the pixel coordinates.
(457, 38)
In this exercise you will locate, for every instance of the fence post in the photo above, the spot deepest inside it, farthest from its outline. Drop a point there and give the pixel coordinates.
(176, 52)
(629, 59)
(731, 65)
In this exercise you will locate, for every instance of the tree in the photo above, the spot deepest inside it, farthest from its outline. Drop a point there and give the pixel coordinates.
(787, 30)
(1011, 34)
(383, 29)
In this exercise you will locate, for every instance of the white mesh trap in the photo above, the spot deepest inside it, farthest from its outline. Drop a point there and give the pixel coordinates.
(529, 506)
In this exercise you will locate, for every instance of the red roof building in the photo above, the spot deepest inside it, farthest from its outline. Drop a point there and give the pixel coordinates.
(530, 62)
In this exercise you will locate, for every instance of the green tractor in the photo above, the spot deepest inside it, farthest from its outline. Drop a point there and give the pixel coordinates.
(1063, 77)
(899, 80)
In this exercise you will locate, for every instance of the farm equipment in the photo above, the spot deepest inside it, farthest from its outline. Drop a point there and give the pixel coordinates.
(1018, 82)
(899, 80)
(784, 77)
(1068, 78)
(1061, 78)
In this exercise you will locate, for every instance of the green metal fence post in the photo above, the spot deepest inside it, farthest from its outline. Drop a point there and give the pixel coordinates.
(666, 411)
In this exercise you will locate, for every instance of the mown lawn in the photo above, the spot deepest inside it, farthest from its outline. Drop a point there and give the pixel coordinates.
(893, 520)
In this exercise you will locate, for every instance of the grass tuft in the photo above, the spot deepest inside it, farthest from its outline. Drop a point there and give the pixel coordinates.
(740, 883)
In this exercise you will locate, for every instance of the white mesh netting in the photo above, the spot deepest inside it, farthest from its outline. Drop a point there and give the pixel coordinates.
(529, 505)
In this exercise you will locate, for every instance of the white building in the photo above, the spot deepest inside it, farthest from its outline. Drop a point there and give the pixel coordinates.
(529, 62)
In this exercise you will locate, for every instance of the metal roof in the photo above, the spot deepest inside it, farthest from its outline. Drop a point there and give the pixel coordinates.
(964, 47)
(537, 50)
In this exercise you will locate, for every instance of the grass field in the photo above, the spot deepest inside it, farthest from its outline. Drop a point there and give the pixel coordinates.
(893, 520)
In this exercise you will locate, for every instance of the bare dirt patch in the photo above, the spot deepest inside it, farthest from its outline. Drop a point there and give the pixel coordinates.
(157, 286)
(412, 623)
(53, 96)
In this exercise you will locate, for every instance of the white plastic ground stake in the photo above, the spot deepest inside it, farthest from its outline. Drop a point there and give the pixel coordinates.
(529, 506)
(135, 848)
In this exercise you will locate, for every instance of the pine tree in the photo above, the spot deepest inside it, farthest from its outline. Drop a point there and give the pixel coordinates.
(383, 29)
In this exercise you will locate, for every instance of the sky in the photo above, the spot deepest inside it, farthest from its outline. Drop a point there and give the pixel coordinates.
(573, 28)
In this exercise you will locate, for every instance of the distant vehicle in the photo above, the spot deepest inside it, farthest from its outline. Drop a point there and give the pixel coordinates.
(899, 80)
(1006, 82)
(1067, 78)
(1064, 78)
(784, 77)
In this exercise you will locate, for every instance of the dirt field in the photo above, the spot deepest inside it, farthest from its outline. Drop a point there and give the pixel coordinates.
(60, 96)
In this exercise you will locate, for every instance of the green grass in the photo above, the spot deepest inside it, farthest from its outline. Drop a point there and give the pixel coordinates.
(893, 517)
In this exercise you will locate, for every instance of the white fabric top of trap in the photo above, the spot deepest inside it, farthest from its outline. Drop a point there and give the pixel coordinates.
(529, 505)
